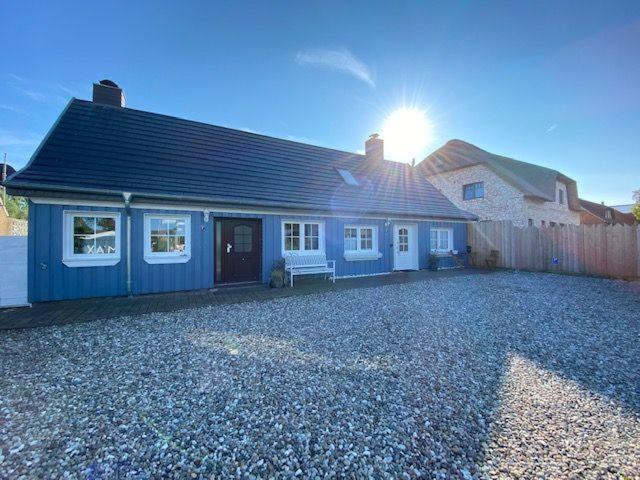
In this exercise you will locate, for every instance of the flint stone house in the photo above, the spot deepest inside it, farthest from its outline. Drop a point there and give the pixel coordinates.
(500, 188)
(124, 201)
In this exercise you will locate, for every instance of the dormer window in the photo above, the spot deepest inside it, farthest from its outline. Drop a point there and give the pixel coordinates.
(561, 197)
(348, 177)
(472, 191)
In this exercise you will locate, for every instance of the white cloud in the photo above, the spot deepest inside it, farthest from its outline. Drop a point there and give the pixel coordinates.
(551, 128)
(33, 95)
(15, 77)
(341, 60)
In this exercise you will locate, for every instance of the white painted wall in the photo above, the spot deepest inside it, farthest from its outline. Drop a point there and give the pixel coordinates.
(13, 271)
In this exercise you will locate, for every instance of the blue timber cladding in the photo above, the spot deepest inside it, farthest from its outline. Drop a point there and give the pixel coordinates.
(57, 281)
(49, 278)
(195, 274)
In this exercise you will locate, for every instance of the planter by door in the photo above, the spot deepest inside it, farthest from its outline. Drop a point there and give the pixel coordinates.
(239, 247)
(405, 247)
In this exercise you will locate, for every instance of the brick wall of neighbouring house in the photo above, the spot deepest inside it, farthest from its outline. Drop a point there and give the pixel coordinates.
(501, 200)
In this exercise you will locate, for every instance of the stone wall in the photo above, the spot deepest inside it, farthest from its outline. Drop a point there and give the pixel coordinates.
(501, 201)
(552, 211)
(11, 226)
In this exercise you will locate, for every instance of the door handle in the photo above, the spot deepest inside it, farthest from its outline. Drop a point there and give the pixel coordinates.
(229, 247)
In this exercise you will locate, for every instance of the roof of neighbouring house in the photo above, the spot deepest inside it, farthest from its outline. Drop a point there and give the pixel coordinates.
(10, 170)
(598, 209)
(100, 149)
(532, 180)
(626, 208)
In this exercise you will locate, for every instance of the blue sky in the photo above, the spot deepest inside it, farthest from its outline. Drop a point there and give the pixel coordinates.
(553, 83)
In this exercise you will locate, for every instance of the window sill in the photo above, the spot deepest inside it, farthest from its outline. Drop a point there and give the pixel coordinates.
(361, 256)
(155, 260)
(90, 262)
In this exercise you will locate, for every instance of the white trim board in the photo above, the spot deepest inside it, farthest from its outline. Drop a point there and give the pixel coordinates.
(215, 208)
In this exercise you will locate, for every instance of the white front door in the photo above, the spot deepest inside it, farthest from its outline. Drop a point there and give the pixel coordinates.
(405, 247)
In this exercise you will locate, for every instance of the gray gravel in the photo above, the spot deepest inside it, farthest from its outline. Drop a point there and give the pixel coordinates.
(481, 376)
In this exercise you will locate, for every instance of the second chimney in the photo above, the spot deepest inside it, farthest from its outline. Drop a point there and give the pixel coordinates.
(374, 148)
(108, 93)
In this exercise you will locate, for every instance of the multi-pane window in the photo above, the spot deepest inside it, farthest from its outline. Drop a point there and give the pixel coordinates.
(311, 236)
(94, 235)
(91, 238)
(168, 235)
(441, 239)
(350, 239)
(403, 239)
(359, 238)
(473, 190)
(366, 238)
(291, 236)
(302, 237)
(167, 238)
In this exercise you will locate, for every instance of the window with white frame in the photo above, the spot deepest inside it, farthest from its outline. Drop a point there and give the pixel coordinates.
(302, 237)
(91, 238)
(361, 242)
(441, 239)
(167, 238)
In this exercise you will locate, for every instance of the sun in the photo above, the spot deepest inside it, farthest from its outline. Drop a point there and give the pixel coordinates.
(407, 132)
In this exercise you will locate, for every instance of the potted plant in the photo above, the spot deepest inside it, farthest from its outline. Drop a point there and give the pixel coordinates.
(433, 262)
(278, 275)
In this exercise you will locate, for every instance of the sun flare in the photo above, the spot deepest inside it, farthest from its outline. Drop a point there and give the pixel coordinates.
(407, 132)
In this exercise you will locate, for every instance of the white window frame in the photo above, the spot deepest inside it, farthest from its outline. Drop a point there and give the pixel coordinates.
(449, 231)
(71, 259)
(359, 253)
(166, 257)
(302, 250)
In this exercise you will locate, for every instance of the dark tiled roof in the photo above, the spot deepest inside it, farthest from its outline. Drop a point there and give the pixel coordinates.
(103, 148)
(532, 180)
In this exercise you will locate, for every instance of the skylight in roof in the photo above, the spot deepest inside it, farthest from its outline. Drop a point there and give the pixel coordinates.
(348, 178)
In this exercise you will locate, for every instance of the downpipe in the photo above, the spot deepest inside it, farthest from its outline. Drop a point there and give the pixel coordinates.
(127, 211)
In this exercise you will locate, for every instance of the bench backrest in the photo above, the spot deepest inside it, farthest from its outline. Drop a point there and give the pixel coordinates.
(315, 260)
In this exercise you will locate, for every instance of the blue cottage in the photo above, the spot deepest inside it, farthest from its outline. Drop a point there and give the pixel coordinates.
(123, 201)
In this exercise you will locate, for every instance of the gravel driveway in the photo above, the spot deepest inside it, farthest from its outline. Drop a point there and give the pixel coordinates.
(503, 376)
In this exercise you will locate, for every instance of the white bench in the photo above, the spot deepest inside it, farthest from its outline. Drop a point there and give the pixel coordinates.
(309, 265)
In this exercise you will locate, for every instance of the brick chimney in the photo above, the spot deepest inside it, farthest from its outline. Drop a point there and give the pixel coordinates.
(374, 148)
(107, 92)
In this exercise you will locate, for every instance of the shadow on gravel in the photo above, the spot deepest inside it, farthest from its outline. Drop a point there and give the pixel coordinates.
(401, 381)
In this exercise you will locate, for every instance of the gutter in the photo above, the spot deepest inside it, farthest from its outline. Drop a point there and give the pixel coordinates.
(226, 201)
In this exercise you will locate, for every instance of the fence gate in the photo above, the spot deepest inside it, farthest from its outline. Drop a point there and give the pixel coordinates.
(13, 271)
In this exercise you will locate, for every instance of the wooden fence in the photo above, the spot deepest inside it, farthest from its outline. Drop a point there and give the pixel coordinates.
(609, 251)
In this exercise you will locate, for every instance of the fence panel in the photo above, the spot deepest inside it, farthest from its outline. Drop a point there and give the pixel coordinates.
(610, 251)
